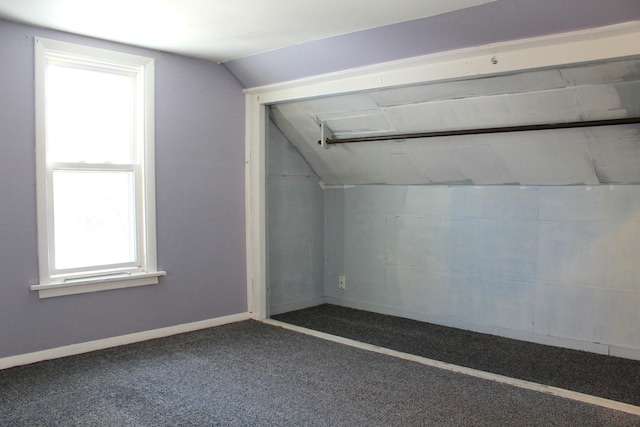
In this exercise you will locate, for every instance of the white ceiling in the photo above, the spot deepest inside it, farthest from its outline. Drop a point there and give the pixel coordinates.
(221, 30)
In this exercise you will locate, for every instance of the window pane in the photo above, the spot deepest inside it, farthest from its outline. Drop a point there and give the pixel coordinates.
(94, 220)
(90, 115)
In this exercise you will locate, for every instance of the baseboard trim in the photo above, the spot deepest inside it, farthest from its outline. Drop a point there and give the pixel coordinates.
(528, 385)
(297, 305)
(555, 341)
(101, 344)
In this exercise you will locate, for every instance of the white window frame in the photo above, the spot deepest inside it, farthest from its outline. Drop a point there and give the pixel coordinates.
(144, 272)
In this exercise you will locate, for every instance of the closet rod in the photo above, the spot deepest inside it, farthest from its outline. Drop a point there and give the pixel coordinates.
(504, 129)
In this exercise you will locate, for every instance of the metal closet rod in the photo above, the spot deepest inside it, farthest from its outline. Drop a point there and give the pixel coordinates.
(504, 129)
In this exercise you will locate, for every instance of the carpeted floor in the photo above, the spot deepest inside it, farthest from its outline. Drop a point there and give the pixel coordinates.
(597, 375)
(253, 374)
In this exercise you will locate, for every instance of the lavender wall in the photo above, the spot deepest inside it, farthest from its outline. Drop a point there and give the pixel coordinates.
(494, 22)
(200, 206)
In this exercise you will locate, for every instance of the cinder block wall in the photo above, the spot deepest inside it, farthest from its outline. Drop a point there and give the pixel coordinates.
(295, 228)
(557, 265)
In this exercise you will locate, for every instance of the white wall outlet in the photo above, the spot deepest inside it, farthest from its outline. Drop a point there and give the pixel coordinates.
(342, 282)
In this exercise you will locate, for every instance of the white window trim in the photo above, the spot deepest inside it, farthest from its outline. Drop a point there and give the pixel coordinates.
(148, 274)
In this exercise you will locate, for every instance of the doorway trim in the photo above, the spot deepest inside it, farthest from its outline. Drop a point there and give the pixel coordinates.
(596, 44)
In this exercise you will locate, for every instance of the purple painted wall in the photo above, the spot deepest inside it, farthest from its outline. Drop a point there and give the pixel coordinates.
(200, 205)
(499, 21)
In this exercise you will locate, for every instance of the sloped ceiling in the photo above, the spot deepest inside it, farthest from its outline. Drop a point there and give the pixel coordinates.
(584, 156)
(221, 30)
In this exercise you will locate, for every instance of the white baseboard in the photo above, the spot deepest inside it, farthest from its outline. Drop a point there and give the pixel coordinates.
(70, 350)
(297, 305)
(514, 382)
(624, 352)
(573, 344)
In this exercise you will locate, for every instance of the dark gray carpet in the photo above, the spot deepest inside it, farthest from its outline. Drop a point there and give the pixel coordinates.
(597, 375)
(252, 374)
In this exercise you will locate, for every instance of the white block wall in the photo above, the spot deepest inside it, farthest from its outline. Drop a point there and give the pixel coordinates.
(295, 229)
(557, 265)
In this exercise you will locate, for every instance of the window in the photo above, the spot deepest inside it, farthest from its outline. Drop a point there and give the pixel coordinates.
(95, 169)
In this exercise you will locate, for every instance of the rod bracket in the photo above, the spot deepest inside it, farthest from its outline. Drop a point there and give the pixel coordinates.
(325, 134)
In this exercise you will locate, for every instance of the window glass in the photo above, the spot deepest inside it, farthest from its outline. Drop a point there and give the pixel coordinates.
(93, 218)
(90, 115)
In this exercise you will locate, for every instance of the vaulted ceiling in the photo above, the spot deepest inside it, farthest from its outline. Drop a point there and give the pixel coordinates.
(264, 42)
(221, 30)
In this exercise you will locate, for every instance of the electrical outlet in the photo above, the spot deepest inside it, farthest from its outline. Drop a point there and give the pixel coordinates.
(342, 282)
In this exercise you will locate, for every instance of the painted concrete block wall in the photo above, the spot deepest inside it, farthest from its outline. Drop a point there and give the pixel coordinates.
(295, 228)
(557, 265)
(200, 206)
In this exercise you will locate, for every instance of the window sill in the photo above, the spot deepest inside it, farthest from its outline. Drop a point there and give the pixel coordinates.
(95, 284)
